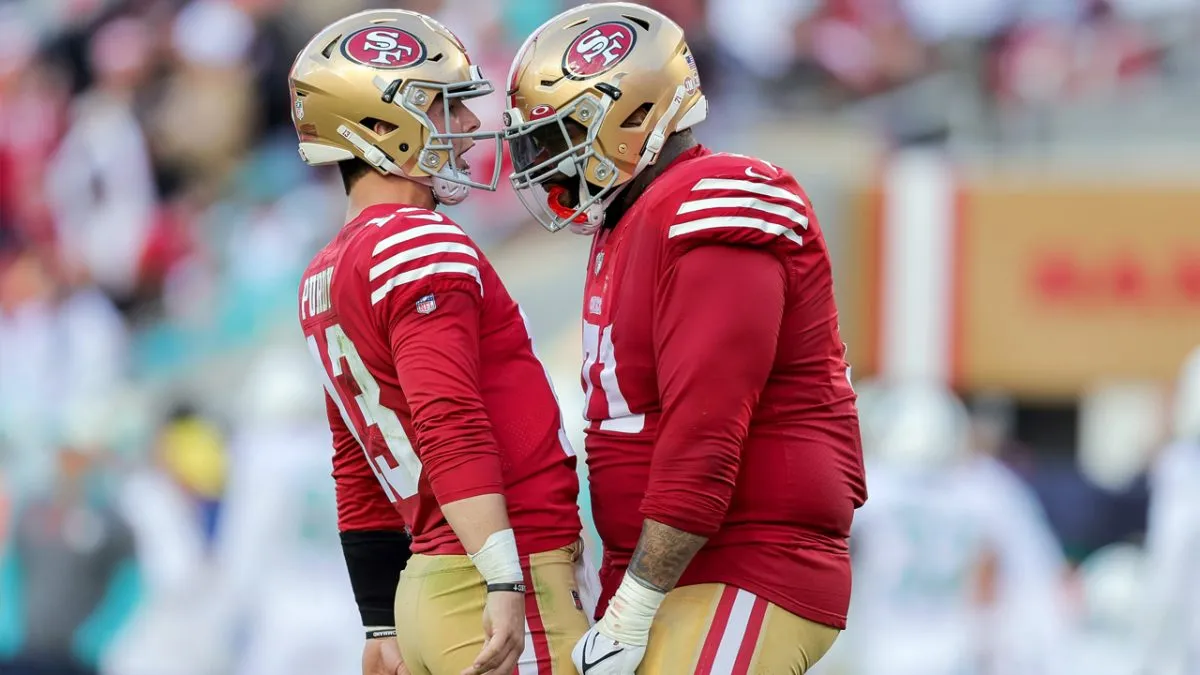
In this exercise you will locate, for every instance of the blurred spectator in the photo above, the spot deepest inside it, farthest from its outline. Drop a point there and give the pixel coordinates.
(1045, 62)
(64, 351)
(865, 45)
(101, 180)
(271, 53)
(172, 505)
(72, 553)
(73, 23)
(208, 113)
(33, 103)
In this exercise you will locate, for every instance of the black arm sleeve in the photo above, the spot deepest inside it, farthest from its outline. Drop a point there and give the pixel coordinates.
(375, 559)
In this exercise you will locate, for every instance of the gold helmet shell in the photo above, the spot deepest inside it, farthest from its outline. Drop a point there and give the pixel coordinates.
(387, 66)
(592, 96)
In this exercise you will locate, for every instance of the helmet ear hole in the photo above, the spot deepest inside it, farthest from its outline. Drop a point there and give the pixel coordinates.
(638, 117)
(377, 126)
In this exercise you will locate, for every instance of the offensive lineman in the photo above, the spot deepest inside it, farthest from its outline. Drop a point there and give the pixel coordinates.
(435, 398)
(723, 440)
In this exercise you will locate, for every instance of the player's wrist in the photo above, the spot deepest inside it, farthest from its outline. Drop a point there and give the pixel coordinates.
(498, 561)
(631, 612)
(380, 632)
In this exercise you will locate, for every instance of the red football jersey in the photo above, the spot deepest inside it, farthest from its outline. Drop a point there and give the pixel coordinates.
(718, 393)
(433, 390)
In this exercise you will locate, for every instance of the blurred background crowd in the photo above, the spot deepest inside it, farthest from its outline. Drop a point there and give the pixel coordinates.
(1009, 187)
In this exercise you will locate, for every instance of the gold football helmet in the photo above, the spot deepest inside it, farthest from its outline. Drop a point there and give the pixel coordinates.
(388, 66)
(592, 96)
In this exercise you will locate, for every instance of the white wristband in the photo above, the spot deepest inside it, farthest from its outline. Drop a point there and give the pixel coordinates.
(497, 560)
(630, 612)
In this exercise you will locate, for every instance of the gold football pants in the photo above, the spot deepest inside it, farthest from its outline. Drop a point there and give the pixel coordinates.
(439, 613)
(714, 629)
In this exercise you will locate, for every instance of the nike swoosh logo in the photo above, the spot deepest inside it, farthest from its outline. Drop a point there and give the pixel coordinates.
(588, 666)
(751, 173)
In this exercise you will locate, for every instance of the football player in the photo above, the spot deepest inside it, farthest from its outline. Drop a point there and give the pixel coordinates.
(957, 568)
(436, 400)
(723, 440)
(1172, 635)
(279, 531)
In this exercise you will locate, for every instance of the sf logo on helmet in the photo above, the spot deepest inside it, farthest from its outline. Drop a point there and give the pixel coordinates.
(389, 48)
(597, 49)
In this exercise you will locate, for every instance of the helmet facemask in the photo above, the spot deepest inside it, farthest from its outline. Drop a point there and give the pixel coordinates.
(550, 164)
(438, 157)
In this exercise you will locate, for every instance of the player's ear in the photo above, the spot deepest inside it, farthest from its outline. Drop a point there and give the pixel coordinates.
(380, 127)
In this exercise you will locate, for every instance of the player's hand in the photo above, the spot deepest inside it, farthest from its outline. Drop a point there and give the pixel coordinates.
(617, 643)
(381, 656)
(600, 654)
(504, 634)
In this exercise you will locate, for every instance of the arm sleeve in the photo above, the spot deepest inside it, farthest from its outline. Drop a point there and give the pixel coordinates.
(437, 363)
(718, 317)
(362, 503)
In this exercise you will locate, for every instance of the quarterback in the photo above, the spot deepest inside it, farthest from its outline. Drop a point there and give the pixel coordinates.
(722, 438)
(443, 418)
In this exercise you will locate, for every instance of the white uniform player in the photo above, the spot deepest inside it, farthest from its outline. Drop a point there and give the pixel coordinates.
(287, 596)
(1172, 627)
(1112, 581)
(939, 522)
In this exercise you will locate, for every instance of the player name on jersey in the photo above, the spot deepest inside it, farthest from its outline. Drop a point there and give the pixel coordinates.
(314, 299)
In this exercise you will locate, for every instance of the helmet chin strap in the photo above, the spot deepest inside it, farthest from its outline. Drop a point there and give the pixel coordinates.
(448, 192)
(593, 220)
(658, 136)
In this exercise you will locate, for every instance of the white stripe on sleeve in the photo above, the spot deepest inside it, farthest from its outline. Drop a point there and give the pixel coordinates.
(411, 254)
(422, 272)
(407, 235)
(734, 221)
(747, 186)
(751, 203)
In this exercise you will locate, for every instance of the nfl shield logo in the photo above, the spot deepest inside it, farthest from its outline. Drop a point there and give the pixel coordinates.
(426, 304)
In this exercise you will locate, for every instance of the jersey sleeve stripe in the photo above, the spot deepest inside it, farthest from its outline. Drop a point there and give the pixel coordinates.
(736, 185)
(748, 203)
(734, 221)
(419, 252)
(422, 272)
(408, 235)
